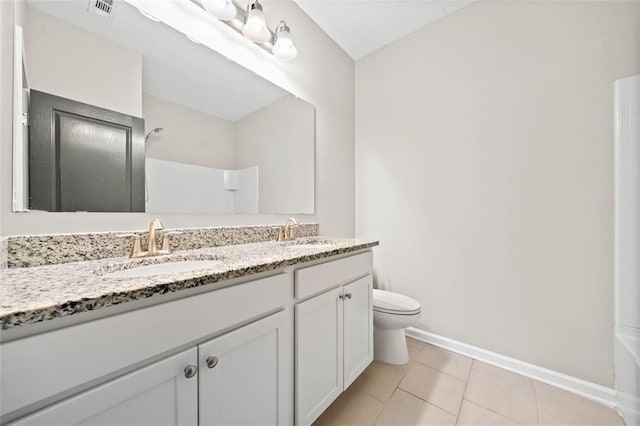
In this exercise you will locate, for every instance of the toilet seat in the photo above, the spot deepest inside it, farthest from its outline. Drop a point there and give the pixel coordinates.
(388, 302)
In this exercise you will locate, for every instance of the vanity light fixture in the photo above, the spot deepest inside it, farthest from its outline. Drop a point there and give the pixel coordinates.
(224, 10)
(255, 27)
(283, 48)
(250, 22)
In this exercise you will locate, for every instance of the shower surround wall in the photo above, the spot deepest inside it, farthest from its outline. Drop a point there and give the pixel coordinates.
(627, 247)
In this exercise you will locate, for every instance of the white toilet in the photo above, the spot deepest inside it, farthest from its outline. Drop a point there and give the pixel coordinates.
(392, 313)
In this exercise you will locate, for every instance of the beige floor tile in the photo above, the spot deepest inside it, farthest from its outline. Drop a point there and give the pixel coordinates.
(445, 361)
(354, 408)
(472, 414)
(437, 388)
(511, 395)
(414, 352)
(491, 370)
(406, 409)
(413, 343)
(413, 356)
(560, 407)
(380, 380)
(417, 393)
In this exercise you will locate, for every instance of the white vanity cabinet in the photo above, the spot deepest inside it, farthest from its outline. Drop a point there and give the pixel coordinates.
(319, 354)
(358, 328)
(333, 331)
(244, 375)
(99, 358)
(163, 393)
(238, 378)
(274, 350)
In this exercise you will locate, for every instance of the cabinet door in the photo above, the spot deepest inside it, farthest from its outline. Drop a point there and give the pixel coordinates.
(159, 394)
(244, 375)
(358, 328)
(318, 354)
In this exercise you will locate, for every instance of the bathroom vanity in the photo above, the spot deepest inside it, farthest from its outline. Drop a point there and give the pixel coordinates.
(271, 334)
(233, 327)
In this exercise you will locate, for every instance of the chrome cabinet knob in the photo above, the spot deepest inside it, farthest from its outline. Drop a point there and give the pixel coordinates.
(348, 295)
(341, 297)
(190, 371)
(212, 361)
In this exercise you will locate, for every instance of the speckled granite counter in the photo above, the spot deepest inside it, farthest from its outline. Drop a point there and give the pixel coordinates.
(38, 250)
(41, 293)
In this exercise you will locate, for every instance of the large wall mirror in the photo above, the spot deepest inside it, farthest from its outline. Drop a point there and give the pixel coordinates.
(125, 114)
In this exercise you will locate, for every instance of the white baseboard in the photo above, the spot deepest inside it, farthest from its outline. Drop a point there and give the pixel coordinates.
(587, 389)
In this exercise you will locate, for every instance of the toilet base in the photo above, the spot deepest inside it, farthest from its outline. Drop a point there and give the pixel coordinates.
(390, 346)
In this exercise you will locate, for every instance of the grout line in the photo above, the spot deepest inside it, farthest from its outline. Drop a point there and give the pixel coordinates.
(379, 411)
(442, 372)
(384, 406)
(449, 352)
(535, 388)
(361, 388)
(466, 385)
(492, 409)
(427, 402)
(371, 395)
(437, 371)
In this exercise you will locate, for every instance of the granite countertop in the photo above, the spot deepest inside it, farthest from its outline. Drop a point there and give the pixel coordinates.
(36, 294)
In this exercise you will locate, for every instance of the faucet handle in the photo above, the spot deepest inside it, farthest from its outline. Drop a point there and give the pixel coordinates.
(166, 242)
(280, 231)
(137, 247)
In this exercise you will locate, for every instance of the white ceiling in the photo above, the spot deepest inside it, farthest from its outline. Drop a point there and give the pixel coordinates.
(173, 67)
(362, 26)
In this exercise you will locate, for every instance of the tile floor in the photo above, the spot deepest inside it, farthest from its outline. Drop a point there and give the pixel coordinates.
(438, 387)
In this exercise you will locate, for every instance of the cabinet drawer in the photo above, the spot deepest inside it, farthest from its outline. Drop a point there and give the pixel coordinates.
(41, 366)
(315, 279)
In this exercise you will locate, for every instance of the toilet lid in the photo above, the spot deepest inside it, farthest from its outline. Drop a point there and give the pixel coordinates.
(394, 303)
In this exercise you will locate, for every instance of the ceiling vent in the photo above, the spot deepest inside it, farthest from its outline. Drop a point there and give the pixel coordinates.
(102, 8)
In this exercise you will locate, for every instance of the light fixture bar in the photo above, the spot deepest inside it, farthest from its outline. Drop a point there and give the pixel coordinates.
(238, 23)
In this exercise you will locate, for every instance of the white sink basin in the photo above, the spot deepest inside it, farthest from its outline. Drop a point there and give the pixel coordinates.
(164, 269)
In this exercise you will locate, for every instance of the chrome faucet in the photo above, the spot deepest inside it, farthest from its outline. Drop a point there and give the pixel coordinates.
(285, 233)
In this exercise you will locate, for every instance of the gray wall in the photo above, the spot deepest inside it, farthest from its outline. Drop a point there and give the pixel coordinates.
(66, 61)
(282, 153)
(485, 166)
(189, 136)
